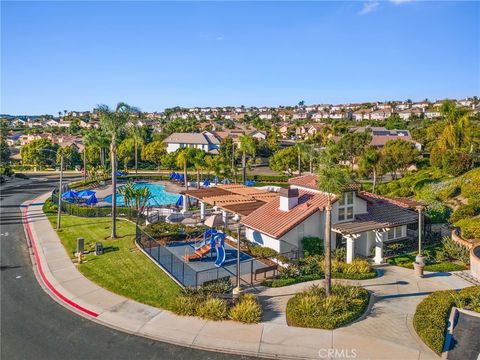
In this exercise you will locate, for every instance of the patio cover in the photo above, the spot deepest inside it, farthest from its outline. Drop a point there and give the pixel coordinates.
(379, 216)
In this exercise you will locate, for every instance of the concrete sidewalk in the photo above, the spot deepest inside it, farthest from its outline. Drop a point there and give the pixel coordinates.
(386, 333)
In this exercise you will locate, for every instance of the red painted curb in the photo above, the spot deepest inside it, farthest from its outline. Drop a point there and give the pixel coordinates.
(42, 274)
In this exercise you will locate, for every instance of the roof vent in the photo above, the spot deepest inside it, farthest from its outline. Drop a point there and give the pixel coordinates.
(288, 199)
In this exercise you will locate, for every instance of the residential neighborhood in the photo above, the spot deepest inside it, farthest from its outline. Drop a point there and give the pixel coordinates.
(230, 180)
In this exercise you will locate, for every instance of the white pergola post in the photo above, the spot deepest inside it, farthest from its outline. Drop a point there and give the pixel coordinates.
(378, 247)
(225, 220)
(202, 210)
(185, 204)
(350, 249)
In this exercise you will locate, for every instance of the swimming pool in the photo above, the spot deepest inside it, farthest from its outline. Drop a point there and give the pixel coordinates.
(159, 195)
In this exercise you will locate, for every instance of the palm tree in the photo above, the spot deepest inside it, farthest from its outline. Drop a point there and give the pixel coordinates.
(183, 159)
(137, 133)
(371, 162)
(331, 179)
(113, 121)
(247, 147)
(301, 151)
(199, 164)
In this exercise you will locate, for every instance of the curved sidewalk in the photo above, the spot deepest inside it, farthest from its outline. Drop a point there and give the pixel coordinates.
(385, 334)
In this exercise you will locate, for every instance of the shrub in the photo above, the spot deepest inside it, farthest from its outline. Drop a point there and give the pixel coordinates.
(358, 266)
(312, 246)
(437, 212)
(21, 176)
(470, 228)
(431, 316)
(455, 251)
(220, 286)
(463, 212)
(213, 309)
(263, 252)
(186, 305)
(313, 309)
(246, 310)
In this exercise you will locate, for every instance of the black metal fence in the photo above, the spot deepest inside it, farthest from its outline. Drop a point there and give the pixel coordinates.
(251, 271)
(82, 210)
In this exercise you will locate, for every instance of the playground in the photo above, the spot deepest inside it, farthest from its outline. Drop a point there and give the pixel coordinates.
(194, 263)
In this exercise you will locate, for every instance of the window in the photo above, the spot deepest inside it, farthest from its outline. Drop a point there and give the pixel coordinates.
(350, 212)
(345, 212)
(395, 233)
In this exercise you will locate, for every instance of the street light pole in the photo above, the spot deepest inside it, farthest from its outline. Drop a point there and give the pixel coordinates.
(59, 213)
(236, 291)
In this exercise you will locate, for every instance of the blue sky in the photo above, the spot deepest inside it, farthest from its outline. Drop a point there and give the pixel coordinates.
(75, 55)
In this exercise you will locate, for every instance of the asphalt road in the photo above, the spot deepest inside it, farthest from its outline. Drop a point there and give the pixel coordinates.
(34, 326)
(466, 334)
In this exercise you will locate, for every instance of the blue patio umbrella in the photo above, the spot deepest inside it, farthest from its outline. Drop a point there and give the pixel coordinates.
(172, 175)
(181, 177)
(176, 176)
(216, 180)
(92, 200)
(119, 173)
(179, 201)
(69, 195)
(249, 182)
(206, 182)
(85, 193)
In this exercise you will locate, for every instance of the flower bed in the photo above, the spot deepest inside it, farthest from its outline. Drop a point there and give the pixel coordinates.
(312, 268)
(431, 316)
(313, 309)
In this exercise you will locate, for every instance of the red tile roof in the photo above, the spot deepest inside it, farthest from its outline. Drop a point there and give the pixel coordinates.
(379, 199)
(309, 181)
(270, 220)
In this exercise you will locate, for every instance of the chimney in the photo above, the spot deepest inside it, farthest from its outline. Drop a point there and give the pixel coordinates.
(288, 199)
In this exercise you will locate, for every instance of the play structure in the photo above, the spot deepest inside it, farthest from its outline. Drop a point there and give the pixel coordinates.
(212, 239)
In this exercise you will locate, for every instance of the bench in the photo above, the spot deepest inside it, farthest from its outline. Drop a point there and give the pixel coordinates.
(265, 270)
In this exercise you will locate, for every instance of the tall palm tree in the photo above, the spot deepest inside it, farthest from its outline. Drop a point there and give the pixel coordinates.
(137, 133)
(370, 162)
(247, 147)
(199, 164)
(184, 157)
(301, 152)
(113, 121)
(331, 179)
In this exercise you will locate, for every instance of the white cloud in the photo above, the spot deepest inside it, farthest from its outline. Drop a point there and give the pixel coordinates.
(369, 7)
(399, 2)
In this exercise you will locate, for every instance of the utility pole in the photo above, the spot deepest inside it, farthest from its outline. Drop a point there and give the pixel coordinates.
(59, 213)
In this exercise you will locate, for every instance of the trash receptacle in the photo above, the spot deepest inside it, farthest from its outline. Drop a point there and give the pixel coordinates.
(98, 248)
(80, 245)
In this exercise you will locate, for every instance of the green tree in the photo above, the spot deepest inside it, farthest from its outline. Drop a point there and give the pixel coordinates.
(4, 149)
(154, 152)
(331, 179)
(247, 147)
(198, 159)
(284, 160)
(184, 159)
(126, 152)
(71, 156)
(113, 122)
(370, 164)
(34, 152)
(137, 133)
(352, 145)
(398, 155)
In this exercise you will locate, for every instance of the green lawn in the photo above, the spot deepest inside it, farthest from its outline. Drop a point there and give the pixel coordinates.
(122, 269)
(407, 260)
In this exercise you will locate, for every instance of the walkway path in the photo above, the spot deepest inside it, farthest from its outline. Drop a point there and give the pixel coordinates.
(385, 334)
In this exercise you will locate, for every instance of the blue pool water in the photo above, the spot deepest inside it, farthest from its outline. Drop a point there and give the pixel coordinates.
(159, 195)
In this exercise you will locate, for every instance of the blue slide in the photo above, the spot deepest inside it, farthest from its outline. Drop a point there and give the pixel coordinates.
(218, 242)
(207, 237)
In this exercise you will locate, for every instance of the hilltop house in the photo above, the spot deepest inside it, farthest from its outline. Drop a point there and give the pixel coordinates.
(361, 220)
(381, 135)
(205, 141)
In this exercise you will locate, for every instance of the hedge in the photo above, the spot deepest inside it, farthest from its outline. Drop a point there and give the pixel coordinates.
(431, 316)
(274, 283)
(313, 309)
